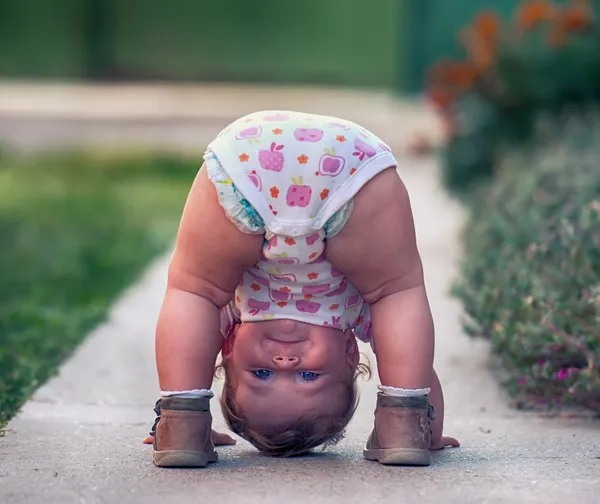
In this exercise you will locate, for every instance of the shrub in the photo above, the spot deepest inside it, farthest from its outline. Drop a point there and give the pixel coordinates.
(545, 59)
(531, 275)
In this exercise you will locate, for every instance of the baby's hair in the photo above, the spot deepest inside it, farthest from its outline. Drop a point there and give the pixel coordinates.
(306, 433)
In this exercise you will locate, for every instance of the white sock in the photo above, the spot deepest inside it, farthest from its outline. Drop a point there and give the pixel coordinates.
(401, 392)
(187, 394)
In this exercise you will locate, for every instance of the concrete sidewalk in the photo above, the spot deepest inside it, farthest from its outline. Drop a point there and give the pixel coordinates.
(79, 438)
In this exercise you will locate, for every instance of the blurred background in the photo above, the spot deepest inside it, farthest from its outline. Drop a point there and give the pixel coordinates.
(106, 107)
(381, 43)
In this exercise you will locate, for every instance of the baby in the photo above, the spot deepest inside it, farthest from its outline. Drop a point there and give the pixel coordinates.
(297, 238)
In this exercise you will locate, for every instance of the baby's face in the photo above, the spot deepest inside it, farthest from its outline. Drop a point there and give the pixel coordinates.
(282, 370)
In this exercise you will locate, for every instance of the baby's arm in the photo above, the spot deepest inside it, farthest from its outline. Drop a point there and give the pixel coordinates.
(210, 258)
(377, 252)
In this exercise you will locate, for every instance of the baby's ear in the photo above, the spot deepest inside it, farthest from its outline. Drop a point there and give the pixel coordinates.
(228, 342)
(352, 351)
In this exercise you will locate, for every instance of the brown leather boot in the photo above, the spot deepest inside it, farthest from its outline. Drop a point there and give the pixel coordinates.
(402, 432)
(182, 433)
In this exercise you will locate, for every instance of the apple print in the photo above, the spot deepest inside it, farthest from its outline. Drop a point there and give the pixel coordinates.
(307, 306)
(353, 300)
(335, 322)
(308, 135)
(338, 125)
(340, 290)
(261, 280)
(282, 277)
(253, 176)
(335, 272)
(257, 306)
(279, 296)
(320, 259)
(311, 239)
(363, 149)
(298, 195)
(271, 159)
(250, 134)
(331, 165)
(276, 117)
(284, 259)
(313, 290)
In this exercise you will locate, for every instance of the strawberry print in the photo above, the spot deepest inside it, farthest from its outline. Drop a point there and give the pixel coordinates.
(271, 159)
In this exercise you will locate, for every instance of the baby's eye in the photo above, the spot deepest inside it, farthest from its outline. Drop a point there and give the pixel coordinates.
(263, 374)
(308, 375)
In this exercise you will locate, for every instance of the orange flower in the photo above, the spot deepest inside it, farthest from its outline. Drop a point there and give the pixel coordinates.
(462, 75)
(324, 193)
(313, 276)
(577, 18)
(281, 304)
(308, 296)
(244, 158)
(255, 287)
(303, 159)
(340, 138)
(487, 24)
(277, 131)
(557, 36)
(285, 289)
(534, 12)
(290, 241)
(313, 255)
(334, 306)
(274, 192)
(353, 171)
(440, 97)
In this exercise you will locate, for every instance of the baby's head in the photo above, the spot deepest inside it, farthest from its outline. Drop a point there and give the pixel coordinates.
(290, 386)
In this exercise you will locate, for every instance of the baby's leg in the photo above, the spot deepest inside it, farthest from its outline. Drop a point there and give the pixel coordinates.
(377, 251)
(210, 257)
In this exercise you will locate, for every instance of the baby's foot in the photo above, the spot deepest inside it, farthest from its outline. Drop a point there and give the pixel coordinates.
(402, 432)
(182, 433)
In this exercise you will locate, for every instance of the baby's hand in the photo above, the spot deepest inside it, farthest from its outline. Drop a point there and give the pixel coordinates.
(443, 442)
(218, 439)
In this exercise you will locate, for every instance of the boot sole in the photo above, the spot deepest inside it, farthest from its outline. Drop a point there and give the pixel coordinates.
(399, 456)
(183, 458)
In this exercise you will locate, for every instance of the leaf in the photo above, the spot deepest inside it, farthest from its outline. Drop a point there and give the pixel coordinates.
(279, 147)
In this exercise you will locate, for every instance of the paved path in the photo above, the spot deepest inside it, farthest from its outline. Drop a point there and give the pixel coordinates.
(175, 117)
(79, 439)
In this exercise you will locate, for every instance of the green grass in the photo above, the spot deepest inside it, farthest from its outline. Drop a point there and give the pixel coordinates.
(74, 231)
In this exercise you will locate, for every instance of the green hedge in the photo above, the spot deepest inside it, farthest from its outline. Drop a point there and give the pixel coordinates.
(531, 276)
(75, 231)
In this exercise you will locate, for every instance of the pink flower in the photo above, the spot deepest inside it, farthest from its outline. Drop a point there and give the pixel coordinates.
(562, 374)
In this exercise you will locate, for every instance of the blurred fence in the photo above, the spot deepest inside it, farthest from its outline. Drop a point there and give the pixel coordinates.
(383, 43)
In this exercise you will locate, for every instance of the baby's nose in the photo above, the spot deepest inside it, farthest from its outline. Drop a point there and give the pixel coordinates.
(288, 361)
